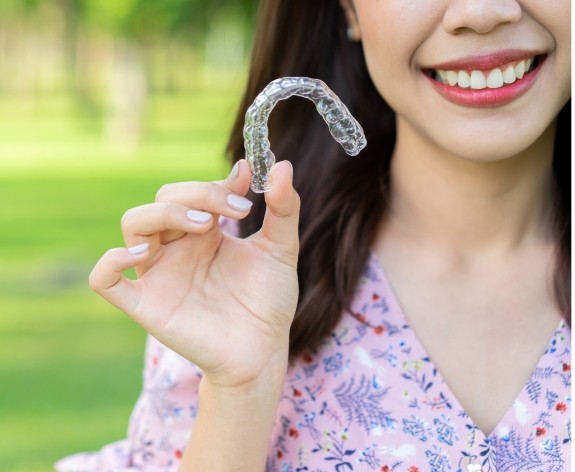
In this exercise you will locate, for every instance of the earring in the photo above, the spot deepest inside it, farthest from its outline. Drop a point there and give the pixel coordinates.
(349, 33)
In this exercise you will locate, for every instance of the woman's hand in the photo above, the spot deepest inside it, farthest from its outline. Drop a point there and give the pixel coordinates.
(224, 303)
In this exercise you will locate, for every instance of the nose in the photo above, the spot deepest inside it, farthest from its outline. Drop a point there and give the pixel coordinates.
(480, 16)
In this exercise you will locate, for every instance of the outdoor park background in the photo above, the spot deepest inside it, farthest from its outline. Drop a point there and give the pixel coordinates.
(101, 102)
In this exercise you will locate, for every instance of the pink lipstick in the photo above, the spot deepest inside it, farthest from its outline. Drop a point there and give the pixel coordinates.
(486, 81)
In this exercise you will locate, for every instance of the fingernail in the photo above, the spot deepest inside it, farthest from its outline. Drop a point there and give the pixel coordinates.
(238, 203)
(139, 249)
(289, 165)
(198, 216)
(291, 169)
(235, 172)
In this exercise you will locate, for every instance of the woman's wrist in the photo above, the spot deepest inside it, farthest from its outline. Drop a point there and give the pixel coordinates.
(248, 376)
(263, 393)
(266, 387)
(233, 429)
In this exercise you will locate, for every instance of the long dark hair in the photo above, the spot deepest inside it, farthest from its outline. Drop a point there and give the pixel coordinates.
(342, 198)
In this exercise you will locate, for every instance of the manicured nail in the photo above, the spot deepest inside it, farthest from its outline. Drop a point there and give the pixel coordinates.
(290, 168)
(235, 172)
(238, 203)
(139, 249)
(287, 164)
(198, 216)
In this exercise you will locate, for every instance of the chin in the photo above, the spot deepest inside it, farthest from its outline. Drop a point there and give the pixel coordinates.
(495, 147)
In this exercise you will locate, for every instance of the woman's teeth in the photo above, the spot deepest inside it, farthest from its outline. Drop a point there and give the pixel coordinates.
(479, 79)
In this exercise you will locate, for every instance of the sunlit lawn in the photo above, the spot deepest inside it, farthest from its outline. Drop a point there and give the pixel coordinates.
(70, 364)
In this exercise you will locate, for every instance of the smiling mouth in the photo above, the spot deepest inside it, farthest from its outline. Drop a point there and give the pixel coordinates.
(492, 78)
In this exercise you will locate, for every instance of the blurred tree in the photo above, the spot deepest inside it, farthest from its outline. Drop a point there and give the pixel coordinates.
(17, 6)
(109, 54)
(141, 19)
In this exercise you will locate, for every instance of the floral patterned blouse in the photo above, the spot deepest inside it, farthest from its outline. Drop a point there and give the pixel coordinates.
(370, 399)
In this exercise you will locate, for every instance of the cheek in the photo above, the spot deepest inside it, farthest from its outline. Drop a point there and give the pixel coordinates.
(555, 17)
(388, 50)
(391, 70)
(388, 73)
(392, 32)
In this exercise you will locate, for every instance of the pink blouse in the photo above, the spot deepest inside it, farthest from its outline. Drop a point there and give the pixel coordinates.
(370, 399)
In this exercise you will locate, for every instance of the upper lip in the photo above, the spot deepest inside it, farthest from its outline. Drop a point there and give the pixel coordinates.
(486, 61)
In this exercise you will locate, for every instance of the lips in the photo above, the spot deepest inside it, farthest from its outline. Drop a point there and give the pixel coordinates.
(492, 78)
(486, 81)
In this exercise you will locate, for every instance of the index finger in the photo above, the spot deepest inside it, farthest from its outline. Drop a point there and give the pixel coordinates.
(198, 194)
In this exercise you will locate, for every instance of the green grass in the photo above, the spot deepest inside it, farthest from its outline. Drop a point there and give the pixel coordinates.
(70, 364)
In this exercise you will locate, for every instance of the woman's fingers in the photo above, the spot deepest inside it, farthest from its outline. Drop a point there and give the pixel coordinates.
(192, 208)
(188, 208)
(107, 277)
(281, 220)
(140, 224)
(224, 197)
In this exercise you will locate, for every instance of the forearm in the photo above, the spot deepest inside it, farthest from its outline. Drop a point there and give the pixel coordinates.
(233, 428)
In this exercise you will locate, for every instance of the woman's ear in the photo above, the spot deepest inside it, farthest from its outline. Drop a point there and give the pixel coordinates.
(353, 30)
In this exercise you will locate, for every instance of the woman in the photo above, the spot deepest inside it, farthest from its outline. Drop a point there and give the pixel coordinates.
(432, 286)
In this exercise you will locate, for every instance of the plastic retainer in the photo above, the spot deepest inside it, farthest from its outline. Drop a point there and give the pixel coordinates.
(342, 125)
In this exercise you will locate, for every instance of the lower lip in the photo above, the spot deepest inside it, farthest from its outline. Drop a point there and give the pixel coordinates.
(487, 97)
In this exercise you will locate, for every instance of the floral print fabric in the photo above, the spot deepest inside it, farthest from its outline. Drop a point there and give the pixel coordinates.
(369, 400)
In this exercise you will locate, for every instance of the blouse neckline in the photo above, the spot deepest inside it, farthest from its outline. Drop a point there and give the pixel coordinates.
(542, 363)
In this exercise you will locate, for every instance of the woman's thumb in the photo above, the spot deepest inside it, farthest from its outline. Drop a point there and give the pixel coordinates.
(281, 220)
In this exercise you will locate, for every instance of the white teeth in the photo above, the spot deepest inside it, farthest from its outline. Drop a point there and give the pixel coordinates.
(451, 77)
(520, 69)
(509, 75)
(463, 79)
(478, 80)
(495, 79)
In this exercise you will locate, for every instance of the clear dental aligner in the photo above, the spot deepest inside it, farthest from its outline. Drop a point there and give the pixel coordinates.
(342, 125)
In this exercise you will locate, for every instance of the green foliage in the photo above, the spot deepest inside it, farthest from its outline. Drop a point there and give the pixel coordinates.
(16, 7)
(139, 19)
(108, 14)
(145, 18)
